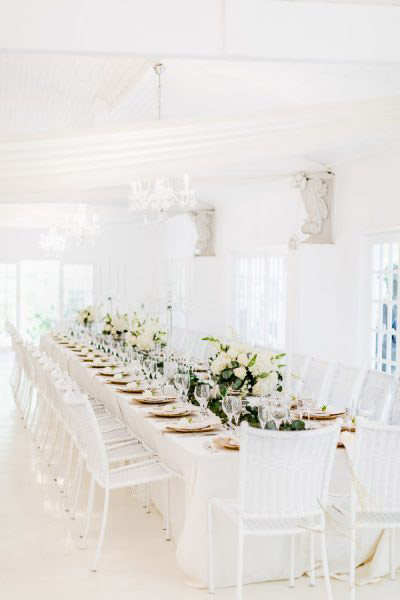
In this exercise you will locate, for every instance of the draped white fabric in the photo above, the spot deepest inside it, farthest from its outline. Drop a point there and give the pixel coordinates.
(111, 157)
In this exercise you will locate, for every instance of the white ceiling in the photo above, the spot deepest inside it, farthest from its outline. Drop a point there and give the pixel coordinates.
(47, 93)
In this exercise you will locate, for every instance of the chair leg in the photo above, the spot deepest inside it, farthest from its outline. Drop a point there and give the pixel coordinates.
(54, 444)
(325, 566)
(88, 512)
(103, 528)
(78, 489)
(239, 574)
(292, 552)
(312, 559)
(352, 576)
(167, 511)
(211, 589)
(61, 455)
(147, 497)
(392, 554)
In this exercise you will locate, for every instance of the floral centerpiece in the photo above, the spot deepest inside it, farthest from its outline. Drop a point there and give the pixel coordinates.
(115, 325)
(238, 368)
(145, 335)
(86, 316)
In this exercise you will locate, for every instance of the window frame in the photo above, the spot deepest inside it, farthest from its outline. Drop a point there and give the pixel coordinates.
(373, 360)
(266, 254)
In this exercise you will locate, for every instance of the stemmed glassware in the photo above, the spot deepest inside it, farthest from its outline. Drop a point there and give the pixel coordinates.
(237, 407)
(182, 384)
(228, 409)
(278, 412)
(263, 412)
(202, 395)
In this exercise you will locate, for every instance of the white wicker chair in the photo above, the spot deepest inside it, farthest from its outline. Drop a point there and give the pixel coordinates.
(374, 394)
(97, 463)
(395, 404)
(375, 499)
(315, 377)
(283, 487)
(298, 365)
(342, 386)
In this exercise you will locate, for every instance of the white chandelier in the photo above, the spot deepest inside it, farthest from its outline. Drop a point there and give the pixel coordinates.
(158, 196)
(53, 241)
(80, 227)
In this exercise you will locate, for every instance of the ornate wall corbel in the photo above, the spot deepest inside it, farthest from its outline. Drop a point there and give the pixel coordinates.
(204, 223)
(317, 194)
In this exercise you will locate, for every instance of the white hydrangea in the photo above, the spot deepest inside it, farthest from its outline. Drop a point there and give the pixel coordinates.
(145, 342)
(240, 372)
(243, 359)
(262, 364)
(220, 363)
(131, 339)
(265, 385)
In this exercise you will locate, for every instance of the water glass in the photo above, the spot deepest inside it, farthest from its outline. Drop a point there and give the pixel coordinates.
(228, 409)
(263, 413)
(202, 395)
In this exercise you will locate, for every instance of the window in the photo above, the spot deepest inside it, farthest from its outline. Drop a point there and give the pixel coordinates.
(39, 296)
(384, 304)
(259, 299)
(77, 288)
(8, 299)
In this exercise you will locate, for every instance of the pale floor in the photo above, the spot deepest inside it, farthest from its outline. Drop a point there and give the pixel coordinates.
(39, 552)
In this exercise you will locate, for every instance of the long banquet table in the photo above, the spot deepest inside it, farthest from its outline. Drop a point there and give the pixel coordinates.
(204, 474)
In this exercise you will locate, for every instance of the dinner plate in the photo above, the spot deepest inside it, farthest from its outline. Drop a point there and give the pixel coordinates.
(193, 427)
(170, 412)
(227, 442)
(155, 399)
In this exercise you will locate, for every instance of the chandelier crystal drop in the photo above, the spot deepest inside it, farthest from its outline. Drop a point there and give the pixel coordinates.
(80, 227)
(159, 196)
(53, 241)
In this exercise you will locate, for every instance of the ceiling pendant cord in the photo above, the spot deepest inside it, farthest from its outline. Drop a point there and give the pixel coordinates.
(159, 69)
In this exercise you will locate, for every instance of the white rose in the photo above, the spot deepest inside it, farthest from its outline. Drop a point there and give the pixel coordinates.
(243, 360)
(240, 372)
(107, 327)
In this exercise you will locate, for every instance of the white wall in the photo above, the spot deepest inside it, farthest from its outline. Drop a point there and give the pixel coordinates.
(334, 299)
(329, 295)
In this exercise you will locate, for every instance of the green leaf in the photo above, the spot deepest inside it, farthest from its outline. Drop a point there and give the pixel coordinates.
(263, 375)
(226, 374)
(235, 364)
(210, 339)
(237, 384)
(252, 361)
(223, 389)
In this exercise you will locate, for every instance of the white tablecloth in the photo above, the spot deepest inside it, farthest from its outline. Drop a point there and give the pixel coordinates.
(204, 475)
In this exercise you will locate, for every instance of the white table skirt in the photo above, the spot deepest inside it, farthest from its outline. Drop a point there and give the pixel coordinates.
(204, 475)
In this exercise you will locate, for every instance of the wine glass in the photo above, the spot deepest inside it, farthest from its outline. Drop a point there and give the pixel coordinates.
(228, 409)
(263, 413)
(182, 384)
(300, 406)
(278, 412)
(202, 395)
(237, 407)
(308, 404)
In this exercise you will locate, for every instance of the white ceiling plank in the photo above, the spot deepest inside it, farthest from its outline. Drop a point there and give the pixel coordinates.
(219, 29)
